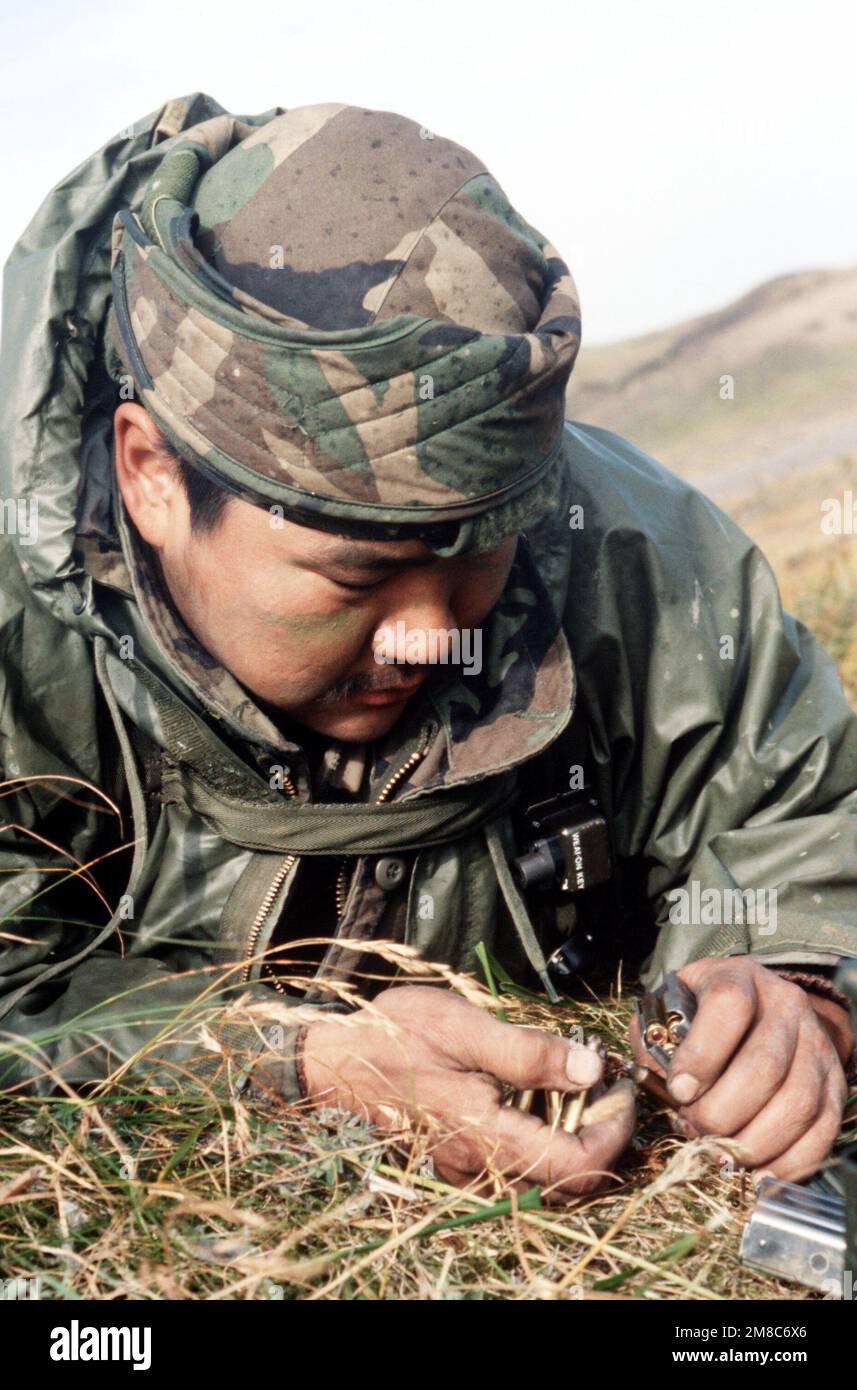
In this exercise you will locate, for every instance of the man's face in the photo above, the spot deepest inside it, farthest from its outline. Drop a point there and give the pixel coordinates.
(292, 612)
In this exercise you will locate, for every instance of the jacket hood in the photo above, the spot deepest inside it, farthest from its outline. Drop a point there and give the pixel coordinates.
(56, 434)
(56, 400)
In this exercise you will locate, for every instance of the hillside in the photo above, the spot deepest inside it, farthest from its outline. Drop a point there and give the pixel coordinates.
(791, 348)
(772, 454)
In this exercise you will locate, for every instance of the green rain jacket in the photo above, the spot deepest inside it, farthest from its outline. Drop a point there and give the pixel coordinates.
(640, 638)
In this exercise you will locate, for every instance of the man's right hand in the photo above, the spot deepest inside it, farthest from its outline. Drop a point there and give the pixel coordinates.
(445, 1060)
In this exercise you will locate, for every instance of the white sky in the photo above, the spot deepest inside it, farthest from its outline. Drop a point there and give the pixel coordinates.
(676, 152)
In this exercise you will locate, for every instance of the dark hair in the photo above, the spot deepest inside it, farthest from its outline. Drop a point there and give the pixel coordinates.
(207, 500)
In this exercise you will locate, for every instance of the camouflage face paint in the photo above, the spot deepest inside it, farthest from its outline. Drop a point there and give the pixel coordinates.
(388, 357)
(324, 625)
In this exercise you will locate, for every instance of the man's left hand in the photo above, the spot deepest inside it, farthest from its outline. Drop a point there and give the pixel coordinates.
(762, 1064)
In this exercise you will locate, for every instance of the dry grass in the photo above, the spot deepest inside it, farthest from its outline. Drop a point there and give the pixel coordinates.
(817, 572)
(142, 1194)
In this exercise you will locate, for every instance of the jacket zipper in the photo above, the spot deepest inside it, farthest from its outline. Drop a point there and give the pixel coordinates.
(342, 876)
(408, 765)
(265, 907)
(390, 785)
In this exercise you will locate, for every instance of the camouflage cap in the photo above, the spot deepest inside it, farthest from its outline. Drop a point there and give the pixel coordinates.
(340, 314)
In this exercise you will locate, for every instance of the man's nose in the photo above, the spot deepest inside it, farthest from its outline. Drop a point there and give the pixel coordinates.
(415, 626)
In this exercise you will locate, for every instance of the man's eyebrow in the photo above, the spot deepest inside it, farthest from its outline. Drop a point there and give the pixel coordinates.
(358, 557)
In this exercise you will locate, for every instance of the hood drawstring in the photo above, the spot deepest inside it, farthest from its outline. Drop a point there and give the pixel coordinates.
(76, 599)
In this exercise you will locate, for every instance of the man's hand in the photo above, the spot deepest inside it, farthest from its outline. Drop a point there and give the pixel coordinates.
(761, 1064)
(445, 1060)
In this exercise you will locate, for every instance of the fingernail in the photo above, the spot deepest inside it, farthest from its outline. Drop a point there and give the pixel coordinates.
(583, 1066)
(684, 1087)
(758, 1176)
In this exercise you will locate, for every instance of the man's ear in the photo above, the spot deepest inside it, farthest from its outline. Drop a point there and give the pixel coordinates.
(148, 478)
